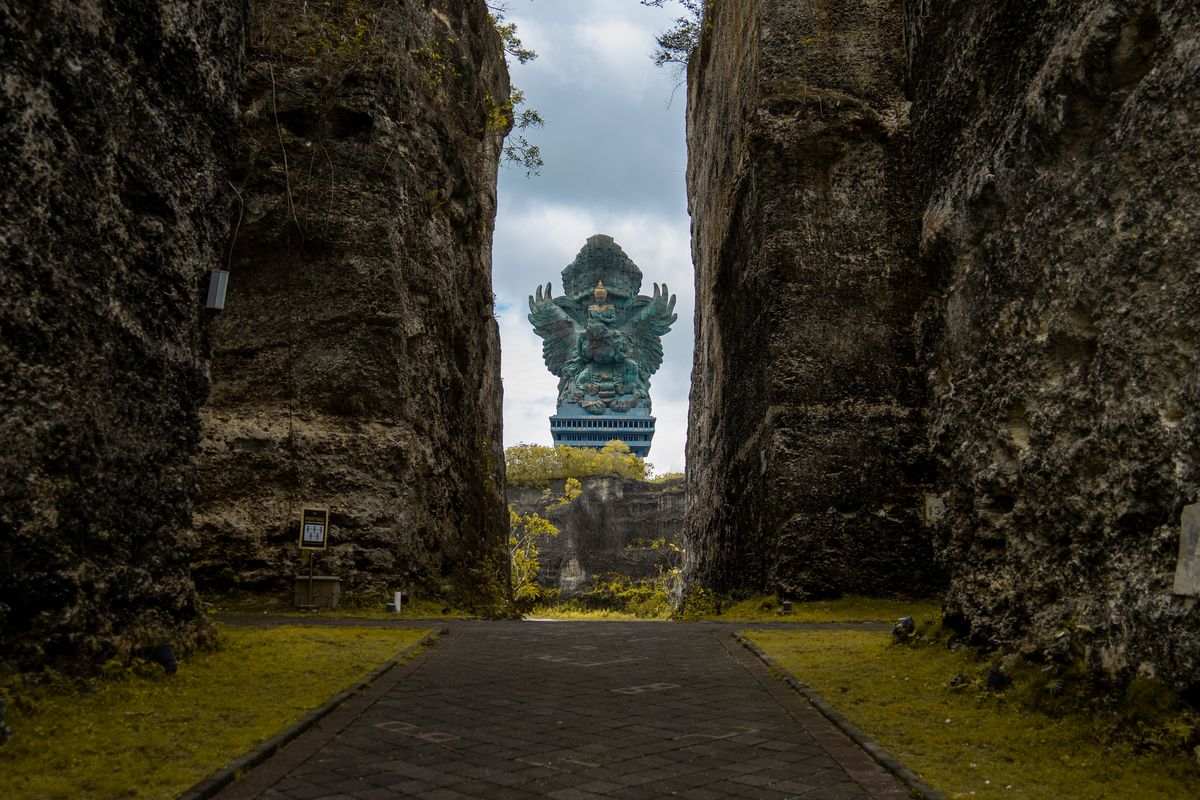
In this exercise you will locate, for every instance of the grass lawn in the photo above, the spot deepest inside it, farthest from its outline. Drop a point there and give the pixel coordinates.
(968, 743)
(247, 604)
(567, 612)
(847, 609)
(153, 735)
(766, 609)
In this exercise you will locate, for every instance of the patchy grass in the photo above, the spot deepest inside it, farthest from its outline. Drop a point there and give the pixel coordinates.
(966, 742)
(144, 734)
(757, 609)
(564, 611)
(846, 609)
(245, 603)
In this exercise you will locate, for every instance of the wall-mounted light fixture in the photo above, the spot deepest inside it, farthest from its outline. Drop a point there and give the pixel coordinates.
(218, 282)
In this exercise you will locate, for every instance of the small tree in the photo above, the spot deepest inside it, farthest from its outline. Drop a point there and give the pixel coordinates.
(675, 45)
(525, 536)
(571, 489)
(517, 149)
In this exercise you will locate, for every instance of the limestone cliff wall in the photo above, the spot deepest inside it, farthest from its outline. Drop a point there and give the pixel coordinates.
(606, 529)
(117, 123)
(356, 365)
(1060, 184)
(1028, 227)
(805, 452)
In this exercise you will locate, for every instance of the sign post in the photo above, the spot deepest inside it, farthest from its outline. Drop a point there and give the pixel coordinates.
(314, 535)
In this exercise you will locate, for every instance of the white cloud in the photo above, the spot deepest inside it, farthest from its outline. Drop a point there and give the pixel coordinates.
(670, 436)
(614, 54)
(596, 49)
(529, 388)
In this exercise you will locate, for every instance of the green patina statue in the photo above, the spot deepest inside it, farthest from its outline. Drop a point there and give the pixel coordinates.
(602, 339)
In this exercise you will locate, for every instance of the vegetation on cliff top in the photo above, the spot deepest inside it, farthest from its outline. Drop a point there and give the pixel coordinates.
(536, 465)
(675, 45)
(517, 149)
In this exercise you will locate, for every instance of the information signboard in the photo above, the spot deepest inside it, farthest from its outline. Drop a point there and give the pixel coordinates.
(314, 528)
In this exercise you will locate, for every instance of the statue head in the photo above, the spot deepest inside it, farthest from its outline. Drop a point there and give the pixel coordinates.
(601, 293)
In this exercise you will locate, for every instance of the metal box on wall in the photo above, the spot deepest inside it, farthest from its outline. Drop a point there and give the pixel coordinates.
(326, 591)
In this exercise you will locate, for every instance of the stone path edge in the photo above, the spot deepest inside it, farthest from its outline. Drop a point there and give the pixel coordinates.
(873, 748)
(209, 786)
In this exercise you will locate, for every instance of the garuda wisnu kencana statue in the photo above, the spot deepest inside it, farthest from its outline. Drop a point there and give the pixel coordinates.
(602, 339)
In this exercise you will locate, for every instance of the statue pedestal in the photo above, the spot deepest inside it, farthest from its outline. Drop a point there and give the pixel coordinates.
(575, 427)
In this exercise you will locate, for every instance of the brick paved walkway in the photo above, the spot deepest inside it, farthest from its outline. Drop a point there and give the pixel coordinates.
(573, 710)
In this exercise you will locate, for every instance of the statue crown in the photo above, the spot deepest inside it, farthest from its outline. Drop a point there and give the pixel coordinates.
(602, 259)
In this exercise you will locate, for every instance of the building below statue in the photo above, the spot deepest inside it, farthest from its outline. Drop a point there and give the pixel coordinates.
(578, 428)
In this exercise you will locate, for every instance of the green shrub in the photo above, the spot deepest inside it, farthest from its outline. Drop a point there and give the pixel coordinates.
(697, 603)
(536, 465)
(647, 599)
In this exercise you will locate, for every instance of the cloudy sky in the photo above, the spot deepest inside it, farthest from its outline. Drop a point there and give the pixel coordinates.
(615, 157)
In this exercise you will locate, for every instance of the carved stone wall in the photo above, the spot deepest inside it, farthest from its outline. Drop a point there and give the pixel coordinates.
(117, 123)
(356, 365)
(1056, 148)
(806, 459)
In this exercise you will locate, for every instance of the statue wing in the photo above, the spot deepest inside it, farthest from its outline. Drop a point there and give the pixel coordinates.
(652, 317)
(558, 330)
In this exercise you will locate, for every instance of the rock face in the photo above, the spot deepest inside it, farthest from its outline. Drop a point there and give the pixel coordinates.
(606, 529)
(806, 459)
(356, 365)
(118, 123)
(1060, 206)
(1045, 279)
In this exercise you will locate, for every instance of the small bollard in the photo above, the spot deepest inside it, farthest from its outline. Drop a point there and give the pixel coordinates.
(5, 731)
(164, 655)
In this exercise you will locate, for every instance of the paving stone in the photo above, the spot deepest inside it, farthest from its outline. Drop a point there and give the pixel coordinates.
(443, 794)
(350, 786)
(412, 787)
(476, 788)
(573, 711)
(574, 794)
(306, 792)
(636, 793)
(376, 793)
(793, 787)
(600, 786)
